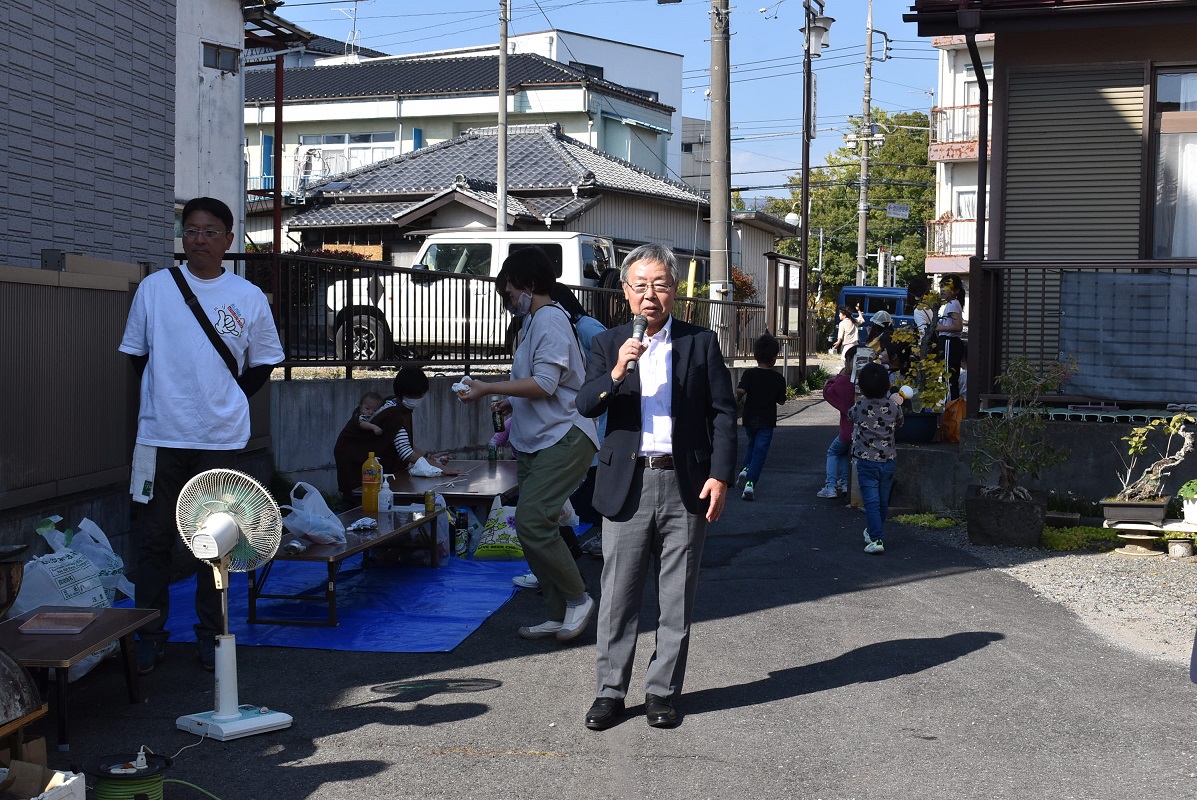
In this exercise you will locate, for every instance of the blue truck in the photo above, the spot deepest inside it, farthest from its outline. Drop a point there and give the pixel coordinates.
(872, 299)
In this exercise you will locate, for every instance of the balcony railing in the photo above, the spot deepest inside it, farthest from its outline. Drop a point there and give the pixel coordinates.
(954, 124)
(952, 237)
(355, 314)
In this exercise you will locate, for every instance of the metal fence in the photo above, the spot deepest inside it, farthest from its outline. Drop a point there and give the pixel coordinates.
(354, 314)
(1124, 323)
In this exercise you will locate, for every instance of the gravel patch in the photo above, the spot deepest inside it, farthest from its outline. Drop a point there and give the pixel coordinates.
(1147, 605)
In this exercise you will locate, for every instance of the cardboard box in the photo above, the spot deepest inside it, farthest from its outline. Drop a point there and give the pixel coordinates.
(32, 751)
(25, 781)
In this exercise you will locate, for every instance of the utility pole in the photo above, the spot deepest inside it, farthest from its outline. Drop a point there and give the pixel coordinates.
(720, 151)
(864, 135)
(501, 168)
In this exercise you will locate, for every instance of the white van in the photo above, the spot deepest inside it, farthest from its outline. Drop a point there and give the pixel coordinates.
(439, 304)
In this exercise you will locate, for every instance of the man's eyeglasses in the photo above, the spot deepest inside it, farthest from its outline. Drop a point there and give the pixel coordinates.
(641, 289)
(192, 233)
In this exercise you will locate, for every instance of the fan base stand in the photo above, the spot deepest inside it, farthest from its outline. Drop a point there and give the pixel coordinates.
(250, 721)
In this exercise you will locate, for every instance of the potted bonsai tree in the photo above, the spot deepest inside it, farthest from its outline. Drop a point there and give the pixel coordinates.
(1012, 446)
(1141, 499)
(926, 372)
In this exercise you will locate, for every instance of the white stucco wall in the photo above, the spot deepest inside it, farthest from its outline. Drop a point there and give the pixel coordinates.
(626, 64)
(209, 106)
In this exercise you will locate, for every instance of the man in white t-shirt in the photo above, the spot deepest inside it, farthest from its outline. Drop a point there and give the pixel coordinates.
(194, 414)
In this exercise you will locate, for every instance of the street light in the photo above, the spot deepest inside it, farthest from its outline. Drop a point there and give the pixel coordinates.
(816, 32)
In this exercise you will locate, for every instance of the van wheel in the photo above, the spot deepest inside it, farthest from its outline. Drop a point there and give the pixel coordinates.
(608, 307)
(363, 338)
(609, 280)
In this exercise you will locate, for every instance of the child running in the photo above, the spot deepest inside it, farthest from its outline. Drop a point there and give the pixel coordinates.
(762, 390)
(876, 418)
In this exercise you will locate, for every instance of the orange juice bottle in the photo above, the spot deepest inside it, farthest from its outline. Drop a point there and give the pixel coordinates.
(371, 484)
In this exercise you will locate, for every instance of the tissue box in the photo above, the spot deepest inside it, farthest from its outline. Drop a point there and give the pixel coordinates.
(25, 781)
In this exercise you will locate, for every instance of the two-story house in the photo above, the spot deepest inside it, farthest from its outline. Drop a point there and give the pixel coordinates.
(346, 112)
(1091, 246)
(954, 149)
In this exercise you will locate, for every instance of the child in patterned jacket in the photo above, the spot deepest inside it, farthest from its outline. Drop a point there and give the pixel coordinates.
(877, 415)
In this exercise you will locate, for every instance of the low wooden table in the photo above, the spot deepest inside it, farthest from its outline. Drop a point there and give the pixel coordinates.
(478, 485)
(61, 651)
(398, 529)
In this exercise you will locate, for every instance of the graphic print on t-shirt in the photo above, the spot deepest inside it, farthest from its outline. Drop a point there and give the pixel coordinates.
(229, 321)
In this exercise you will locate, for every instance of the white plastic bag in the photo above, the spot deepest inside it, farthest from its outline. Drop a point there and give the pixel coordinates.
(65, 577)
(311, 517)
(91, 542)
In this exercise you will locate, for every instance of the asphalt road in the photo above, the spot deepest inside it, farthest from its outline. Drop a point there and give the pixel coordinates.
(816, 671)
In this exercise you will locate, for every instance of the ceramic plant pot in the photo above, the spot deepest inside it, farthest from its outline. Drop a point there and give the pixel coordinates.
(1149, 512)
(1190, 511)
(1180, 548)
(918, 427)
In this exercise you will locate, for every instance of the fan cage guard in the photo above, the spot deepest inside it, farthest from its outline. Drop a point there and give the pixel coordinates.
(245, 499)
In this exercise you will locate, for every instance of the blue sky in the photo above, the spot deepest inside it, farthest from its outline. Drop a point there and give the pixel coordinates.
(766, 58)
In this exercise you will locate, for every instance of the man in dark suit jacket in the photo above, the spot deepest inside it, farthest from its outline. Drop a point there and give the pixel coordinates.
(663, 471)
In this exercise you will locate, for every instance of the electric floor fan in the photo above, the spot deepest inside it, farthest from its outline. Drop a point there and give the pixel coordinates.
(229, 520)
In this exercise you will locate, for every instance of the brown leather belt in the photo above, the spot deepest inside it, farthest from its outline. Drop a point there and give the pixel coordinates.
(656, 462)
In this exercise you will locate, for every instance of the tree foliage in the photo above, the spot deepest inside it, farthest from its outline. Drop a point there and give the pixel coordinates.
(898, 172)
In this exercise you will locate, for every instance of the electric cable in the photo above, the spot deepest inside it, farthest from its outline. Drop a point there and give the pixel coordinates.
(191, 786)
(128, 788)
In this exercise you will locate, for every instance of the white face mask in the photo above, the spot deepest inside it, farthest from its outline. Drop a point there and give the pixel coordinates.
(523, 304)
(412, 403)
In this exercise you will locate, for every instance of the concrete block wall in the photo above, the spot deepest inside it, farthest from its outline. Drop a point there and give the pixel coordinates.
(935, 477)
(307, 416)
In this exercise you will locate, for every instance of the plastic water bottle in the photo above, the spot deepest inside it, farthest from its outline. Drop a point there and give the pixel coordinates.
(496, 416)
(386, 497)
(371, 483)
(461, 533)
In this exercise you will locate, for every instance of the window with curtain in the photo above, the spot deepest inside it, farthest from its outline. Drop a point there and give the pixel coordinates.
(1174, 120)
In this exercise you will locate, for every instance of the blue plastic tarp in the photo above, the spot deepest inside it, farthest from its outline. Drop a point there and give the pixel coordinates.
(384, 609)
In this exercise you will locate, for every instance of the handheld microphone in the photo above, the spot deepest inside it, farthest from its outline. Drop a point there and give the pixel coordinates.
(639, 326)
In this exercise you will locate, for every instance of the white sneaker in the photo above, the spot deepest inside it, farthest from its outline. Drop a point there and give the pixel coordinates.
(827, 492)
(841, 488)
(576, 619)
(875, 546)
(526, 581)
(868, 539)
(749, 492)
(741, 478)
(545, 630)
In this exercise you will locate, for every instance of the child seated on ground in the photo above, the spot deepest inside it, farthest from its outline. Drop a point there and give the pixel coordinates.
(367, 407)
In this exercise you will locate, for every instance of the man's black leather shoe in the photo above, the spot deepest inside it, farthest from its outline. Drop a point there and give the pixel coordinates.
(604, 713)
(659, 711)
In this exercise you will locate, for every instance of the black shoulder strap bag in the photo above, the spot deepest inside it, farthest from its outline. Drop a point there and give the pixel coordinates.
(205, 323)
